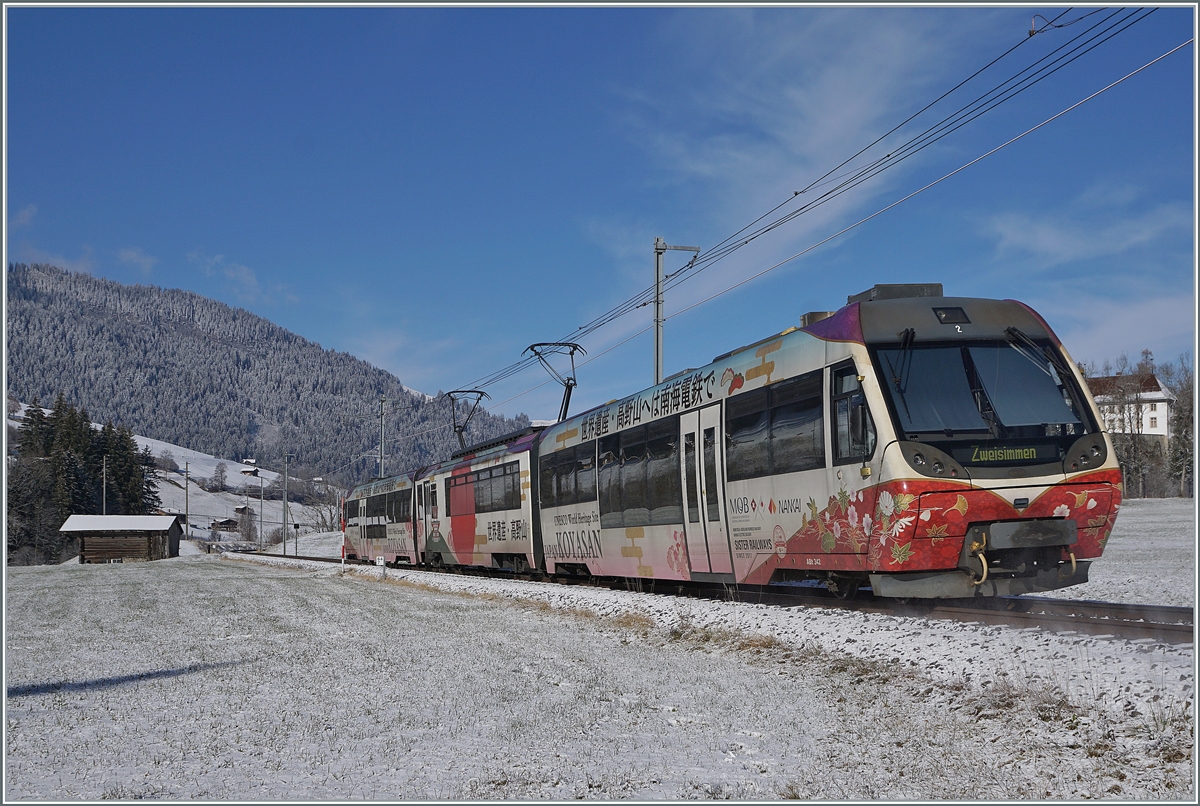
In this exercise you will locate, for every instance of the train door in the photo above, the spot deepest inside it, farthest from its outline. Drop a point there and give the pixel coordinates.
(704, 491)
(421, 518)
(855, 463)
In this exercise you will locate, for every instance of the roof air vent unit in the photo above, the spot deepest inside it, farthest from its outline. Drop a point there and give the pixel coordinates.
(814, 316)
(897, 291)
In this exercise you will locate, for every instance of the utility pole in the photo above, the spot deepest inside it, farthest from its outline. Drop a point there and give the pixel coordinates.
(661, 246)
(187, 509)
(104, 488)
(253, 471)
(285, 507)
(382, 399)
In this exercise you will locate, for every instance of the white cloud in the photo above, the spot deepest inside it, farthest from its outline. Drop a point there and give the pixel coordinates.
(24, 217)
(134, 255)
(242, 281)
(763, 103)
(84, 263)
(1074, 235)
(1094, 328)
(776, 98)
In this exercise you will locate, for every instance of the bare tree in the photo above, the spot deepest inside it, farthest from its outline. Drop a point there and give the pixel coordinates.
(247, 528)
(326, 508)
(1179, 378)
(1142, 458)
(166, 461)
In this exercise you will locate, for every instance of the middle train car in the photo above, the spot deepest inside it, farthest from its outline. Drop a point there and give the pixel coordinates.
(475, 509)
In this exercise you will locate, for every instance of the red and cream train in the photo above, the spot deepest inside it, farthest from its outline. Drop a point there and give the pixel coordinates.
(927, 446)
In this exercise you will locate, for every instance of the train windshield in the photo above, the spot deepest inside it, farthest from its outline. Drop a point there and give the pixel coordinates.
(982, 393)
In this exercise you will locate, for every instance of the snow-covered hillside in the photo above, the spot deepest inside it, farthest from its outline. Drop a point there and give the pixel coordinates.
(204, 507)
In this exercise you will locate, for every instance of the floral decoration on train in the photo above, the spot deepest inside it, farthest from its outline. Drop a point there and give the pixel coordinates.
(677, 556)
(914, 523)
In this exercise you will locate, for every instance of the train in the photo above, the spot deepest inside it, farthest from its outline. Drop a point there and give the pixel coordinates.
(922, 445)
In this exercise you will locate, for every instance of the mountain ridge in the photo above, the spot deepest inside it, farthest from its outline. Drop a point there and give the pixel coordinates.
(180, 367)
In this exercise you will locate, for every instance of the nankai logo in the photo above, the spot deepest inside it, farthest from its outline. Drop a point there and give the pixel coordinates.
(787, 506)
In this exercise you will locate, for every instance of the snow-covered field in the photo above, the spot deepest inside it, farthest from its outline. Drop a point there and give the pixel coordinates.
(268, 678)
(1150, 557)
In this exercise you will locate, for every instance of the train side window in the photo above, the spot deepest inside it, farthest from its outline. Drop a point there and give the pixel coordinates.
(609, 482)
(854, 429)
(777, 429)
(662, 472)
(512, 488)
(585, 472)
(634, 501)
(747, 431)
(710, 475)
(405, 510)
(472, 489)
(689, 460)
(797, 424)
(547, 489)
(565, 477)
(375, 506)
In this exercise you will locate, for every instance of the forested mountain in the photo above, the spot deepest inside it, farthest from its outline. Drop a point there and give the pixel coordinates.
(177, 366)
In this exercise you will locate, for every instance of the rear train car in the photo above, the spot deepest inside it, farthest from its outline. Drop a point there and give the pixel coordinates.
(378, 521)
(924, 445)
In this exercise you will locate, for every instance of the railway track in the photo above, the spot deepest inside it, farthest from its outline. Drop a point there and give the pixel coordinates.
(1172, 625)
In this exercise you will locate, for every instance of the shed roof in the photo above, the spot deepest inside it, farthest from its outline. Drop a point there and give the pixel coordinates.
(1147, 386)
(118, 523)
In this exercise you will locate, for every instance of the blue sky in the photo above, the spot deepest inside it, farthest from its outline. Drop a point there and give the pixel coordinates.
(433, 190)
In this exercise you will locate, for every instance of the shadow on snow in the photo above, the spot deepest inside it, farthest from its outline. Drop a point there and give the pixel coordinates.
(110, 682)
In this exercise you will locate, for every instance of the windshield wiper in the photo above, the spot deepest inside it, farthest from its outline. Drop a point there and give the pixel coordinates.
(1019, 339)
(983, 403)
(903, 364)
(904, 360)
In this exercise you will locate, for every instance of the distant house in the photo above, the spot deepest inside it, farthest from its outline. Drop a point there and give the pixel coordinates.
(227, 525)
(124, 538)
(1134, 404)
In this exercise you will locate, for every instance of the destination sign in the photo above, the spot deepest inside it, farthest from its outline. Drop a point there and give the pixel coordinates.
(1006, 454)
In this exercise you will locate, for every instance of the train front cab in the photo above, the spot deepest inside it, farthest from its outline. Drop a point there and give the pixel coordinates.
(994, 477)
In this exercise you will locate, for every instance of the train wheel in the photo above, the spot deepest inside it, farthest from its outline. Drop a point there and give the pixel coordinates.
(843, 587)
(435, 560)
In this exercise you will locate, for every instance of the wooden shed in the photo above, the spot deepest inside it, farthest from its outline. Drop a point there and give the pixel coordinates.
(124, 538)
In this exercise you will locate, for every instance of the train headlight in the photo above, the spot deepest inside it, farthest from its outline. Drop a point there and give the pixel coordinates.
(939, 468)
(1096, 451)
(1083, 459)
(919, 458)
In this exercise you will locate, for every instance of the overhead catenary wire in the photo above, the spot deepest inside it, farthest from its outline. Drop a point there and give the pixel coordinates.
(884, 209)
(961, 117)
(964, 115)
(941, 179)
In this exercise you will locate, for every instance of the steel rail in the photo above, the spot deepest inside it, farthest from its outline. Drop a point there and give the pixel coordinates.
(1172, 625)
